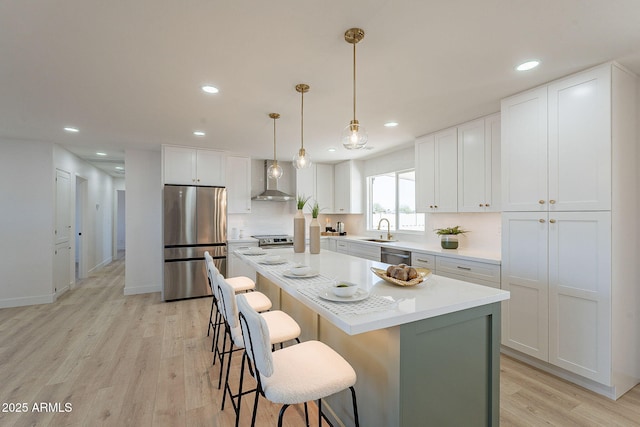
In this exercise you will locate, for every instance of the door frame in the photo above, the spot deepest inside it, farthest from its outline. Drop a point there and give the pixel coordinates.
(80, 252)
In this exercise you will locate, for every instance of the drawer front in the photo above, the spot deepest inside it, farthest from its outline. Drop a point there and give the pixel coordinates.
(342, 247)
(470, 269)
(423, 260)
(364, 251)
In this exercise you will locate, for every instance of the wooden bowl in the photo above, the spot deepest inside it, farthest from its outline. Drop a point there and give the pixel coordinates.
(423, 273)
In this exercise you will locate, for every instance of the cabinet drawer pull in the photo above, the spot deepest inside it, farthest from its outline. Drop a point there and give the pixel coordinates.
(541, 202)
(464, 268)
(552, 202)
(423, 260)
(552, 221)
(541, 221)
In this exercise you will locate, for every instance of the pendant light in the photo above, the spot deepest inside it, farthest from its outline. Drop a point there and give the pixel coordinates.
(275, 170)
(301, 160)
(354, 135)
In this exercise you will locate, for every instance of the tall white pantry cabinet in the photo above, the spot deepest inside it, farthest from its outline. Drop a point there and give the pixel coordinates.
(569, 228)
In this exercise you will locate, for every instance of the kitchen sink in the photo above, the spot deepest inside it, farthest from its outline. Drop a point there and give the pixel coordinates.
(380, 240)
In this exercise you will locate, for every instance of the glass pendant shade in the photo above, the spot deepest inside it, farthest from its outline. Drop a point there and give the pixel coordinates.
(354, 136)
(274, 171)
(301, 159)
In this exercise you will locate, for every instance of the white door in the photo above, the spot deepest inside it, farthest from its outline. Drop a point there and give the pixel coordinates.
(472, 176)
(342, 192)
(179, 165)
(425, 175)
(306, 181)
(580, 142)
(525, 315)
(524, 151)
(62, 232)
(580, 293)
(493, 169)
(324, 187)
(446, 171)
(210, 168)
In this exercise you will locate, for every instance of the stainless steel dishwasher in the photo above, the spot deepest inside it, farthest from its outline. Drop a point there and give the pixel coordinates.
(395, 256)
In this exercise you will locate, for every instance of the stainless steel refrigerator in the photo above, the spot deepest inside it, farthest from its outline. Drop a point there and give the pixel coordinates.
(195, 221)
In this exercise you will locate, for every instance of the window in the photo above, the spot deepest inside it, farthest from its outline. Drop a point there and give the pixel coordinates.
(392, 196)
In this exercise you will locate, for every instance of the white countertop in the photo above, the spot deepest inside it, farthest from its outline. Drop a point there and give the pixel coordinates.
(468, 254)
(434, 297)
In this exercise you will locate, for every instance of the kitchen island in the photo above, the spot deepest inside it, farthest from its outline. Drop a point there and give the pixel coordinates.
(424, 355)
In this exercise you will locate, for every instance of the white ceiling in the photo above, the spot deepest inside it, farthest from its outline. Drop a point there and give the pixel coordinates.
(128, 74)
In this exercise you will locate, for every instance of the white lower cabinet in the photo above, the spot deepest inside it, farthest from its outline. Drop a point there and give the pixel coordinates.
(423, 260)
(557, 267)
(480, 273)
(363, 250)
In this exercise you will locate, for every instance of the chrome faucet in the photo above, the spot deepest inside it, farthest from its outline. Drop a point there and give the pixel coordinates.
(389, 236)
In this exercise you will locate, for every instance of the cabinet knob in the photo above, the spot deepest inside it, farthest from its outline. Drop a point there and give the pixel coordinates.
(435, 206)
(431, 206)
(486, 204)
(198, 179)
(552, 202)
(541, 202)
(552, 221)
(481, 205)
(541, 221)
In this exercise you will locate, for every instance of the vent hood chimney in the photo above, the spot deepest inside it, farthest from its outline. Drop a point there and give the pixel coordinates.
(271, 192)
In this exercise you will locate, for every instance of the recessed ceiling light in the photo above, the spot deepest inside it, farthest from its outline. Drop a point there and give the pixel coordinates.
(71, 129)
(100, 153)
(120, 168)
(529, 65)
(331, 149)
(199, 133)
(210, 89)
(391, 124)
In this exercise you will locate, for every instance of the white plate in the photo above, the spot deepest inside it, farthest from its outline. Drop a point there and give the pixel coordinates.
(288, 273)
(358, 296)
(254, 252)
(273, 261)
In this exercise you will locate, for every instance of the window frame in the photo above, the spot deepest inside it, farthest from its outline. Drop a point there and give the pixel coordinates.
(369, 207)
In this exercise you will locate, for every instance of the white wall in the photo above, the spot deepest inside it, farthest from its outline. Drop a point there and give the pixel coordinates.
(26, 229)
(143, 217)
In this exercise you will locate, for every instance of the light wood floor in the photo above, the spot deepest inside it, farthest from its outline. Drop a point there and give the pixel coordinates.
(137, 361)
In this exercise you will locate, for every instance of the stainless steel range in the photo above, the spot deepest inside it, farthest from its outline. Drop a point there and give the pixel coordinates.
(274, 240)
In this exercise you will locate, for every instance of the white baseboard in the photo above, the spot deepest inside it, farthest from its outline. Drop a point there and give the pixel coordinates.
(24, 301)
(135, 290)
(61, 291)
(99, 266)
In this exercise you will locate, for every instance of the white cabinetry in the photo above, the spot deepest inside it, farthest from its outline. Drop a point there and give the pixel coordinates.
(479, 165)
(235, 266)
(480, 273)
(317, 182)
(364, 250)
(437, 172)
(348, 187)
(238, 185)
(191, 166)
(557, 154)
(569, 234)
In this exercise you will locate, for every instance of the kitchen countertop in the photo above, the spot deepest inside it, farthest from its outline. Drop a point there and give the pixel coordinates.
(468, 254)
(434, 297)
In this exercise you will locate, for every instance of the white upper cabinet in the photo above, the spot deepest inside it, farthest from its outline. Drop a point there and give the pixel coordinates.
(348, 187)
(556, 145)
(437, 172)
(316, 182)
(524, 151)
(580, 142)
(238, 185)
(479, 165)
(191, 166)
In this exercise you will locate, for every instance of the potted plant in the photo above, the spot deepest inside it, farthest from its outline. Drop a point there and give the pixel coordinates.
(299, 224)
(314, 230)
(449, 236)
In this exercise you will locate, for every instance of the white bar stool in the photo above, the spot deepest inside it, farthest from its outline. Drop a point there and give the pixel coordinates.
(297, 374)
(280, 325)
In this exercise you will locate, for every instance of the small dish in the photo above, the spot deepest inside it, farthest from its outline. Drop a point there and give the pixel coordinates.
(289, 274)
(300, 270)
(360, 295)
(254, 251)
(344, 289)
(273, 260)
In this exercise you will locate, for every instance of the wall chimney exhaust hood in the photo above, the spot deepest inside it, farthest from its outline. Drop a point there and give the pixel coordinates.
(271, 192)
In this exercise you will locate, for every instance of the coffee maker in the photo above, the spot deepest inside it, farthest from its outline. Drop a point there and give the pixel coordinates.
(340, 228)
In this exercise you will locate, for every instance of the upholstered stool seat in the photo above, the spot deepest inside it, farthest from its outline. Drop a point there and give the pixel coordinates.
(307, 371)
